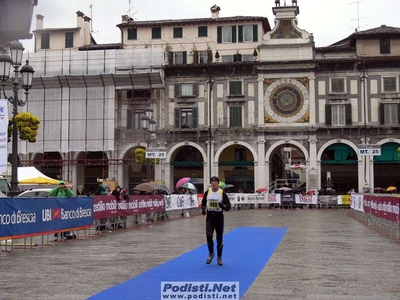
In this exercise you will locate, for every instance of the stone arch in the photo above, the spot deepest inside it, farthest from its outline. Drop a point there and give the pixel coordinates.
(331, 142)
(287, 142)
(228, 144)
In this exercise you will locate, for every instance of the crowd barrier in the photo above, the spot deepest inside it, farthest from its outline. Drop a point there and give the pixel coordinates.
(22, 218)
(381, 212)
(26, 218)
(271, 200)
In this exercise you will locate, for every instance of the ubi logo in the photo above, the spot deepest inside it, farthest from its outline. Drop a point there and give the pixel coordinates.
(49, 214)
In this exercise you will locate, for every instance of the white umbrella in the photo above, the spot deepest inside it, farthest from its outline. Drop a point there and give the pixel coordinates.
(189, 186)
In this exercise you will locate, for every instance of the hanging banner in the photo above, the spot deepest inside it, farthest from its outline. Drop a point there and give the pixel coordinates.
(3, 134)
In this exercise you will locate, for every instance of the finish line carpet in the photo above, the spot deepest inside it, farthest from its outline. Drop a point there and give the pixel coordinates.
(246, 252)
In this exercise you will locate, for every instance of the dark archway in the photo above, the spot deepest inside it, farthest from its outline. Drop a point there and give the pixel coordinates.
(188, 162)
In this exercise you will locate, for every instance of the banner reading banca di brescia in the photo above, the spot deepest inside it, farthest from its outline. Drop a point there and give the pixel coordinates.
(21, 217)
(3, 134)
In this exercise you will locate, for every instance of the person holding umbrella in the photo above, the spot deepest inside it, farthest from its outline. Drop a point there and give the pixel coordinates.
(214, 202)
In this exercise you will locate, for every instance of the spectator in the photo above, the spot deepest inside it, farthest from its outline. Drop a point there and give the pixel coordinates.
(116, 192)
(61, 191)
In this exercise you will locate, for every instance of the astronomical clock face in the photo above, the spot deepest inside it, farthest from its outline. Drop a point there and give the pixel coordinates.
(286, 100)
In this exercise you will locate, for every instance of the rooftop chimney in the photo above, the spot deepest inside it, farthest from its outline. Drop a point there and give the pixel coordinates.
(39, 21)
(126, 19)
(215, 11)
(79, 19)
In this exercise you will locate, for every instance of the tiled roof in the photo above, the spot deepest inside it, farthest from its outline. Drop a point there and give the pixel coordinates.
(56, 29)
(264, 20)
(334, 48)
(383, 29)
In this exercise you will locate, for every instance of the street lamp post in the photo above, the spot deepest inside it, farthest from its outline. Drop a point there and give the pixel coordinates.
(6, 61)
(149, 126)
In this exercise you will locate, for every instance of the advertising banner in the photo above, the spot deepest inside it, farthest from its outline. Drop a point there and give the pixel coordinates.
(21, 217)
(3, 134)
(273, 198)
(385, 207)
(343, 200)
(306, 199)
(108, 207)
(178, 201)
(357, 202)
(241, 198)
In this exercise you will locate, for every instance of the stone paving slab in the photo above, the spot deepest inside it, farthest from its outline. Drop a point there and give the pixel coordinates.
(325, 254)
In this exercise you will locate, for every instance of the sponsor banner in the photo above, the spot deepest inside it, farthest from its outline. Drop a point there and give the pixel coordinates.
(240, 198)
(24, 217)
(273, 198)
(357, 202)
(306, 199)
(343, 200)
(385, 207)
(327, 199)
(3, 134)
(200, 290)
(105, 207)
(178, 201)
(108, 207)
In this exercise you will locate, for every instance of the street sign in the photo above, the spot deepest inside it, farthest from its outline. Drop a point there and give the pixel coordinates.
(160, 153)
(374, 150)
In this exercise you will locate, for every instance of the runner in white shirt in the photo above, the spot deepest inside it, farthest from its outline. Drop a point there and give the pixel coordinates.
(215, 201)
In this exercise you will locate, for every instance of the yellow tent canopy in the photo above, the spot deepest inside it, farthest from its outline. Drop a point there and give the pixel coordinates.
(31, 175)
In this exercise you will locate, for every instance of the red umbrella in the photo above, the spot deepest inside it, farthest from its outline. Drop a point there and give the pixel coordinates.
(260, 190)
(310, 192)
(182, 181)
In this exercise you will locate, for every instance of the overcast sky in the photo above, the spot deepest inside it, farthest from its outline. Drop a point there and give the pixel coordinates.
(329, 20)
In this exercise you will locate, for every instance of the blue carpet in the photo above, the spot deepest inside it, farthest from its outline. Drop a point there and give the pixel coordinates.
(246, 252)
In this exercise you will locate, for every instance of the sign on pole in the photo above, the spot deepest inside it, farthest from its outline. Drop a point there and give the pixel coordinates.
(160, 153)
(374, 150)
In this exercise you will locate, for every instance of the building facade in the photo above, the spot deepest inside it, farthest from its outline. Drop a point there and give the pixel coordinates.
(231, 97)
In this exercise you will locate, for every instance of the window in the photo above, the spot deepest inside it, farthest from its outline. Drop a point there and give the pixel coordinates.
(45, 41)
(203, 57)
(389, 84)
(227, 58)
(132, 33)
(240, 154)
(247, 33)
(177, 58)
(235, 116)
(237, 57)
(389, 113)
(69, 40)
(226, 34)
(385, 45)
(202, 31)
(133, 118)
(337, 85)
(178, 32)
(247, 57)
(186, 90)
(235, 88)
(338, 114)
(156, 33)
(186, 117)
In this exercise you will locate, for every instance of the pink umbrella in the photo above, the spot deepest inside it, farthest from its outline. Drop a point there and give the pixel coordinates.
(182, 181)
(298, 166)
(285, 189)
